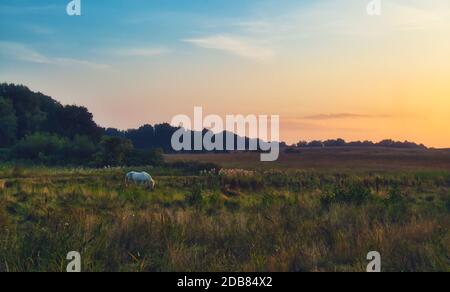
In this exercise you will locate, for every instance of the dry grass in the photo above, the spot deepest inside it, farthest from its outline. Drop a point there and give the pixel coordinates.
(281, 220)
(335, 158)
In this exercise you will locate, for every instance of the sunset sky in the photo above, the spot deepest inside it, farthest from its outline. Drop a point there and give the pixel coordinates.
(326, 67)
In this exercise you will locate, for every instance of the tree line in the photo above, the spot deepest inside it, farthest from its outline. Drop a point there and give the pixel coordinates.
(36, 128)
(342, 143)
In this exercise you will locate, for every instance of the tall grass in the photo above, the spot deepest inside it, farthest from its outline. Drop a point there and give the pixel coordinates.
(263, 221)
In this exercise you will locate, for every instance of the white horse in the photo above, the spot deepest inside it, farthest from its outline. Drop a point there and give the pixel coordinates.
(140, 178)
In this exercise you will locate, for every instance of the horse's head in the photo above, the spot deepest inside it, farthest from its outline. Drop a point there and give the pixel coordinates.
(152, 184)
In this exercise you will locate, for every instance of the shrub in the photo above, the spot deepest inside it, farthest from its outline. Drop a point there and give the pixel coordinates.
(195, 197)
(42, 146)
(327, 199)
(4, 154)
(355, 193)
(215, 203)
(267, 200)
(396, 204)
(352, 193)
(82, 148)
(139, 157)
(113, 151)
(447, 204)
(395, 194)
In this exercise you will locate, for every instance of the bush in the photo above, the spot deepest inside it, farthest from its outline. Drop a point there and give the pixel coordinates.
(447, 204)
(352, 193)
(53, 149)
(43, 147)
(396, 204)
(82, 148)
(215, 203)
(355, 193)
(195, 197)
(4, 154)
(327, 199)
(267, 200)
(139, 157)
(113, 151)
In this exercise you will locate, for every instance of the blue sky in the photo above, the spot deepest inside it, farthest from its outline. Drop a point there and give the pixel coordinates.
(143, 61)
(105, 24)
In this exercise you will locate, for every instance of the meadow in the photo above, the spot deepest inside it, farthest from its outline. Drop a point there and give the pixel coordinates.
(234, 215)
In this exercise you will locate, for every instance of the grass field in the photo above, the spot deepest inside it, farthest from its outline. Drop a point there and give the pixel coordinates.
(319, 210)
(337, 158)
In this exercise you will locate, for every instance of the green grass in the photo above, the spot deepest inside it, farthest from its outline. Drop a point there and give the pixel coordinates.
(270, 220)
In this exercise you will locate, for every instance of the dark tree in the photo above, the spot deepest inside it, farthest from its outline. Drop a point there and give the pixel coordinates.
(335, 143)
(143, 138)
(113, 151)
(36, 112)
(75, 120)
(8, 123)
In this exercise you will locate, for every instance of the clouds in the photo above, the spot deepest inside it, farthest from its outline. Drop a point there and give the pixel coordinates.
(283, 32)
(255, 30)
(24, 53)
(233, 45)
(323, 20)
(140, 52)
(21, 52)
(418, 15)
(343, 116)
(27, 54)
(326, 64)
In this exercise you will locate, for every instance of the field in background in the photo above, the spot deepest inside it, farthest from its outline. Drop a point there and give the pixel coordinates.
(318, 210)
(335, 158)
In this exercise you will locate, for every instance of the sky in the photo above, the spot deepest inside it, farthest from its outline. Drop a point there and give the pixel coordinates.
(326, 67)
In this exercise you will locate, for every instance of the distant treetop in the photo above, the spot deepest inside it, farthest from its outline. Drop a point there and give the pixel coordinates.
(342, 143)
